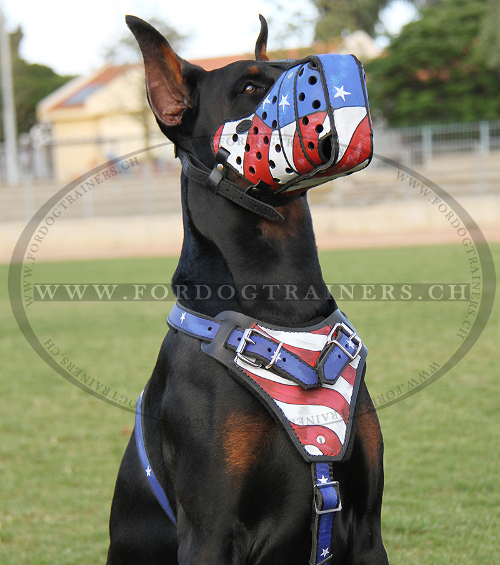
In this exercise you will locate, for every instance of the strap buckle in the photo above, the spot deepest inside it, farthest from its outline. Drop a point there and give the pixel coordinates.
(219, 170)
(351, 334)
(246, 339)
(318, 487)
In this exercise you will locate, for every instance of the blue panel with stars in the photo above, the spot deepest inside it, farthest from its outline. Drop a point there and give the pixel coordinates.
(286, 106)
(310, 95)
(343, 80)
(268, 108)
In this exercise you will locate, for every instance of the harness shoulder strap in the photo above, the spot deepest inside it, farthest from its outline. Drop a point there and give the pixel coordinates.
(143, 456)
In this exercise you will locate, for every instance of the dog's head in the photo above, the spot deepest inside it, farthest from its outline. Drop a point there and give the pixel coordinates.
(281, 126)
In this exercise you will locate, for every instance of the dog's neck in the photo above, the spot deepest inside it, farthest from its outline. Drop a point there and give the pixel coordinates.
(273, 267)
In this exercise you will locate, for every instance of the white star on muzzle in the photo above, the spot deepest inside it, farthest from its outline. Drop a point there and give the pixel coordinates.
(341, 92)
(284, 102)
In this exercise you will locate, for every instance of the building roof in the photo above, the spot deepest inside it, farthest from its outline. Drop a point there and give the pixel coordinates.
(77, 91)
(93, 83)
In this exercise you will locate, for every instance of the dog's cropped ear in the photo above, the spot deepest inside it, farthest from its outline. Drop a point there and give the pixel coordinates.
(261, 45)
(168, 95)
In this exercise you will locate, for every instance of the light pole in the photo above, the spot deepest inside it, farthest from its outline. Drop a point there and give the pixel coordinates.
(8, 107)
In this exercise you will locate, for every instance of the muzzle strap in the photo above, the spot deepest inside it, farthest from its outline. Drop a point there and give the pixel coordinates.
(215, 180)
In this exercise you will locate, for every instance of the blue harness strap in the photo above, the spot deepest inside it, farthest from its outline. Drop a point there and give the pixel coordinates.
(326, 503)
(148, 471)
(257, 345)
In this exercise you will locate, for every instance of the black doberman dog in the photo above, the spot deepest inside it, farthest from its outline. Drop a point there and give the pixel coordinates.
(240, 491)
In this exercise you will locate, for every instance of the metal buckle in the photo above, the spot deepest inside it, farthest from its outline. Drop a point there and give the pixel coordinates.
(335, 485)
(241, 346)
(246, 339)
(351, 334)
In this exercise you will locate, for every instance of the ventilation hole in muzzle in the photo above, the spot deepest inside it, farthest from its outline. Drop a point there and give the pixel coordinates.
(278, 148)
(318, 128)
(316, 104)
(247, 148)
(256, 130)
(235, 137)
(275, 123)
(325, 148)
(259, 155)
(264, 115)
(289, 171)
(274, 99)
(305, 121)
(238, 160)
(252, 170)
(313, 80)
(272, 164)
(302, 97)
(277, 181)
(266, 140)
(310, 145)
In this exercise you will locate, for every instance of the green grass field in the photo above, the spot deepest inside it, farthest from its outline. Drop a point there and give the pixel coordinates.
(61, 447)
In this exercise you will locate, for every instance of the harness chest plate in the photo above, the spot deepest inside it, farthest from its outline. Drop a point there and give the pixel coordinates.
(308, 378)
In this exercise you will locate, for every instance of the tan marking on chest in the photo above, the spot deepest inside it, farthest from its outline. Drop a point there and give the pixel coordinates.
(243, 437)
(368, 429)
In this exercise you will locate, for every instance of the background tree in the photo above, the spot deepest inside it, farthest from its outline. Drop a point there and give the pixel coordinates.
(439, 68)
(490, 35)
(125, 49)
(336, 16)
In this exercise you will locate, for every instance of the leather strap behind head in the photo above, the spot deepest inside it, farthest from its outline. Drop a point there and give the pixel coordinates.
(218, 184)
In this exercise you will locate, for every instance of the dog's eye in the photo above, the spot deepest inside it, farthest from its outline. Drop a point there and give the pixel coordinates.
(251, 88)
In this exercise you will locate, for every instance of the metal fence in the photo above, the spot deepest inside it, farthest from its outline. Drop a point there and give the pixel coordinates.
(412, 147)
(419, 146)
(464, 158)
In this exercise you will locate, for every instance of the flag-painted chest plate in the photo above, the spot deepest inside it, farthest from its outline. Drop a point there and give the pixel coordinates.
(308, 378)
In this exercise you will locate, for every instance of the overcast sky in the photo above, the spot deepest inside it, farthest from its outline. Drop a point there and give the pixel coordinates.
(71, 37)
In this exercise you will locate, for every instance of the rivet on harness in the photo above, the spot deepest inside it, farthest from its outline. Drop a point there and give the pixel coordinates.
(308, 378)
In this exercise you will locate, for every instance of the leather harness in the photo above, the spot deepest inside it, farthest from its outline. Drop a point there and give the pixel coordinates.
(308, 378)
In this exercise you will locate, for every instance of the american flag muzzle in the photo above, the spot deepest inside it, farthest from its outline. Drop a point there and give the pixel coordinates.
(313, 126)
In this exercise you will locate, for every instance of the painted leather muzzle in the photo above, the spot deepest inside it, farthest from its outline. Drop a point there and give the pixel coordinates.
(313, 126)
